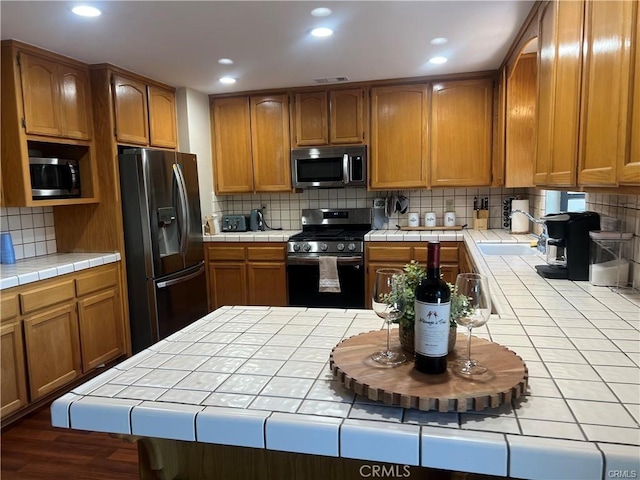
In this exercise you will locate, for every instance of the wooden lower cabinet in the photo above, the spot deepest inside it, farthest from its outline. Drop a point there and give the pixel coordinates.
(57, 330)
(396, 254)
(52, 348)
(246, 274)
(14, 381)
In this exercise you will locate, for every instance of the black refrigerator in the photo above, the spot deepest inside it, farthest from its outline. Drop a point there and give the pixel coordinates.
(163, 243)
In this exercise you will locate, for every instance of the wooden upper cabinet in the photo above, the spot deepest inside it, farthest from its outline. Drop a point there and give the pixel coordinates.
(608, 34)
(461, 133)
(57, 98)
(399, 137)
(131, 111)
(329, 117)
(231, 131)
(559, 83)
(270, 143)
(520, 123)
(162, 117)
(311, 119)
(75, 92)
(346, 116)
(629, 166)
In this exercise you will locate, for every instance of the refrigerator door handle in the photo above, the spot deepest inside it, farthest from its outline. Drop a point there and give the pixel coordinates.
(186, 221)
(175, 281)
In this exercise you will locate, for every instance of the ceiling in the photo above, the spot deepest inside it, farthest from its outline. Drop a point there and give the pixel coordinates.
(180, 42)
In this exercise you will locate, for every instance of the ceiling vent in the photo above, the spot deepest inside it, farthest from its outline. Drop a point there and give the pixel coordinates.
(331, 80)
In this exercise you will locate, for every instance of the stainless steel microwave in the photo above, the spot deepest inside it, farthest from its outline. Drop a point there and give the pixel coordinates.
(329, 167)
(54, 178)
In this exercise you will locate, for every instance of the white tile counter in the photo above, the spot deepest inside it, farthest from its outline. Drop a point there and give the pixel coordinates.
(259, 377)
(48, 266)
(266, 236)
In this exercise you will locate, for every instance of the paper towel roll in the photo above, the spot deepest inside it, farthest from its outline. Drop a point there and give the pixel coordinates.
(519, 222)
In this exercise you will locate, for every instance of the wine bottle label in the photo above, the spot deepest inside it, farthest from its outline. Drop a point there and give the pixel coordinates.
(432, 328)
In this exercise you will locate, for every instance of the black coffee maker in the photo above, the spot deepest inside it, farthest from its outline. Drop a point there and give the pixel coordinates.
(568, 244)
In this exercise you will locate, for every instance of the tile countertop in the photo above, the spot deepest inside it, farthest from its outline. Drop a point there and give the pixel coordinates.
(49, 266)
(264, 372)
(266, 236)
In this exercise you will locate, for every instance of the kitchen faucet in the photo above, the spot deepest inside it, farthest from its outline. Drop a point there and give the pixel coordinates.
(543, 237)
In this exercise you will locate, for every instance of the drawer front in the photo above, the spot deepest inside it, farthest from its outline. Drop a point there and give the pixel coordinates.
(38, 298)
(267, 254)
(388, 254)
(448, 254)
(98, 280)
(8, 306)
(226, 253)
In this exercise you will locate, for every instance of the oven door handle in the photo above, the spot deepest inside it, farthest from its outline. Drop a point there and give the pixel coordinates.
(315, 260)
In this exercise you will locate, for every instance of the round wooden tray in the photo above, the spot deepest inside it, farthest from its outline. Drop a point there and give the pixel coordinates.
(505, 379)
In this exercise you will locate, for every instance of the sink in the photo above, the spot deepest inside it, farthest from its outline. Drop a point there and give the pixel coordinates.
(506, 249)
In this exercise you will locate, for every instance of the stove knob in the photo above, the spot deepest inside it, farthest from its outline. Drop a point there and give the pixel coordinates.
(340, 247)
(351, 247)
(306, 247)
(323, 247)
(296, 247)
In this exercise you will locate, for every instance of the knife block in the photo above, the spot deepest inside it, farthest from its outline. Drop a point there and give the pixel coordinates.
(480, 219)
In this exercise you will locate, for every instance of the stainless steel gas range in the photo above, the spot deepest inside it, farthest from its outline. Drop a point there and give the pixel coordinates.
(336, 233)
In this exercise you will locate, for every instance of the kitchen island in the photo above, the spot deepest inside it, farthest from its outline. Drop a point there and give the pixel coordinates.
(249, 388)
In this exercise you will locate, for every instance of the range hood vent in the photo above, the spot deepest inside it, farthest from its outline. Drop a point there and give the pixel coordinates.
(331, 80)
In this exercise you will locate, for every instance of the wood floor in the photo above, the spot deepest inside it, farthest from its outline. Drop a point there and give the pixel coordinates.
(34, 450)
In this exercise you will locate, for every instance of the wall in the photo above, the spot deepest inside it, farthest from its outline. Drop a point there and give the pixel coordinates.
(32, 230)
(194, 136)
(284, 210)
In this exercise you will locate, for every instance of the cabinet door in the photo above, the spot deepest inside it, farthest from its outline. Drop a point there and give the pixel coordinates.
(53, 350)
(311, 119)
(162, 118)
(232, 163)
(346, 110)
(629, 168)
(449, 272)
(461, 133)
(75, 102)
(270, 143)
(267, 283)
(544, 107)
(399, 137)
(130, 100)
(14, 383)
(605, 91)
(566, 96)
(41, 95)
(101, 328)
(228, 283)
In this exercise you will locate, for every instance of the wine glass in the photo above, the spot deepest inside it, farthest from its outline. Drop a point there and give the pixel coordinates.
(475, 288)
(388, 303)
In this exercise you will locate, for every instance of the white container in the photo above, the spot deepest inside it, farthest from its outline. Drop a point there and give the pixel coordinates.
(609, 264)
(414, 219)
(430, 219)
(450, 219)
(519, 221)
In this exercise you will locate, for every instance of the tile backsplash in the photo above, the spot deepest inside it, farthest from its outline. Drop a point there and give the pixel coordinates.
(284, 210)
(32, 230)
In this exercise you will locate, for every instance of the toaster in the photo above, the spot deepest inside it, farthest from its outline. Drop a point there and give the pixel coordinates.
(234, 223)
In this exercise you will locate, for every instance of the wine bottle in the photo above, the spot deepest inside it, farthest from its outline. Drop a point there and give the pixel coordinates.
(432, 307)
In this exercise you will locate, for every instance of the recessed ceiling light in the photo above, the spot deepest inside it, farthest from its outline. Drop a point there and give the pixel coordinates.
(227, 80)
(439, 41)
(438, 60)
(86, 11)
(321, 12)
(322, 32)
(225, 61)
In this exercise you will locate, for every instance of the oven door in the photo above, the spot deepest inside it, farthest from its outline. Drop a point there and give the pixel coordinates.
(303, 279)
